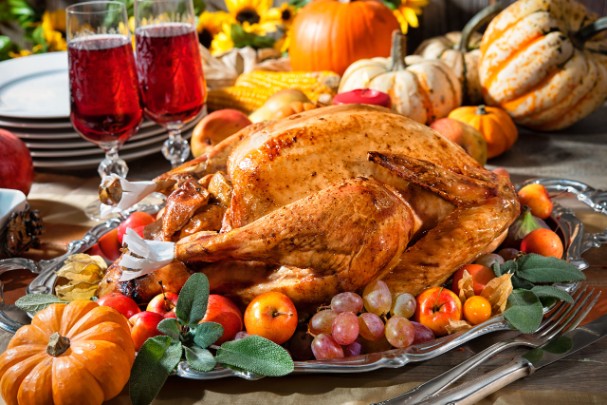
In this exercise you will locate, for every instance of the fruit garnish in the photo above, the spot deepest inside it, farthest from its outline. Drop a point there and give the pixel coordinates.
(79, 277)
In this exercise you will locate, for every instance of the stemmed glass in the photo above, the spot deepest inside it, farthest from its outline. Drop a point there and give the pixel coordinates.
(104, 96)
(170, 72)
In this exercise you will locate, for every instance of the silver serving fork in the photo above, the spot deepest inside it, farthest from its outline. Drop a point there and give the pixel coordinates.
(561, 318)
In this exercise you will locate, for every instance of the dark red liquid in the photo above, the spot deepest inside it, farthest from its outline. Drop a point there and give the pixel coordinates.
(170, 72)
(105, 103)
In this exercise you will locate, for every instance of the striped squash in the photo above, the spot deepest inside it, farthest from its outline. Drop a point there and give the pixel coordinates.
(421, 89)
(539, 65)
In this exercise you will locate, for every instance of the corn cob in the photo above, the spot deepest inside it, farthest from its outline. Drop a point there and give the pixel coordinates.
(245, 99)
(313, 84)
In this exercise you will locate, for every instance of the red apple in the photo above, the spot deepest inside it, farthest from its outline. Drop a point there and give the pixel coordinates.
(466, 136)
(121, 303)
(16, 166)
(144, 325)
(109, 246)
(164, 304)
(271, 315)
(215, 127)
(436, 306)
(221, 310)
(137, 221)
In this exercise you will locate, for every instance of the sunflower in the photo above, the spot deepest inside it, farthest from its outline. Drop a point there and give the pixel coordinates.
(283, 15)
(222, 41)
(250, 11)
(210, 24)
(406, 13)
(54, 39)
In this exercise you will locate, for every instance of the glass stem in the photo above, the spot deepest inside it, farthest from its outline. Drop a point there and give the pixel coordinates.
(112, 164)
(175, 149)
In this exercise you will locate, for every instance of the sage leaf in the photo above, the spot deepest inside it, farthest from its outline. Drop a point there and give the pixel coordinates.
(518, 282)
(200, 359)
(257, 355)
(525, 311)
(207, 333)
(548, 291)
(33, 303)
(169, 327)
(193, 298)
(510, 266)
(540, 269)
(155, 361)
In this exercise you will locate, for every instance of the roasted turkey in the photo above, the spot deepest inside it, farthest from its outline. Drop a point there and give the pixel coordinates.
(323, 202)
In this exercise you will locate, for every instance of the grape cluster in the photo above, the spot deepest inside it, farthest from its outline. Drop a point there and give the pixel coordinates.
(352, 324)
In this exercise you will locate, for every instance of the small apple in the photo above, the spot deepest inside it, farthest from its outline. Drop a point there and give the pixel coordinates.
(215, 127)
(109, 246)
(436, 306)
(144, 325)
(137, 221)
(16, 166)
(121, 303)
(480, 274)
(466, 136)
(164, 304)
(223, 311)
(271, 315)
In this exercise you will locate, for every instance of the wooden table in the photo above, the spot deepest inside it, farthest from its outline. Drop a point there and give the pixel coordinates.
(580, 153)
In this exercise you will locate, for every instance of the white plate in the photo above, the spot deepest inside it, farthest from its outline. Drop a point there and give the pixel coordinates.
(50, 135)
(35, 87)
(54, 143)
(17, 124)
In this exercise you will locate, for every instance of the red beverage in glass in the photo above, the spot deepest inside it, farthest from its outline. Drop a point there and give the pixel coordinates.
(170, 72)
(104, 96)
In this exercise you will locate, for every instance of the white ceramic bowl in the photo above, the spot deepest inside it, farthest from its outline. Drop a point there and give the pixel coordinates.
(10, 201)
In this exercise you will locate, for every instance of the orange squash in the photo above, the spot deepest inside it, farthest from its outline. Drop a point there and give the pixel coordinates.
(495, 124)
(331, 34)
(76, 353)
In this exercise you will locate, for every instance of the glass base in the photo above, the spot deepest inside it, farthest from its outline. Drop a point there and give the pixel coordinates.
(93, 212)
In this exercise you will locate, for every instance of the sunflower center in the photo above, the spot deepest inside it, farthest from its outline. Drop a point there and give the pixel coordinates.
(205, 37)
(248, 15)
(285, 15)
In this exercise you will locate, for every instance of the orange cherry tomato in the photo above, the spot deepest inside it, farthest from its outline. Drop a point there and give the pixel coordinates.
(536, 197)
(477, 309)
(480, 274)
(544, 242)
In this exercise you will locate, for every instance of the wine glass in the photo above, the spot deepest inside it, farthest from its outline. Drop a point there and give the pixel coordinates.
(170, 72)
(104, 96)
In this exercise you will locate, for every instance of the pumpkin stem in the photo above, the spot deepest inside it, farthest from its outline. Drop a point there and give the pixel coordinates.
(587, 32)
(57, 344)
(481, 110)
(399, 48)
(479, 19)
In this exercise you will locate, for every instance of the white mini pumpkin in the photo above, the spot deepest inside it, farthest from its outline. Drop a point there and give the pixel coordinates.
(419, 88)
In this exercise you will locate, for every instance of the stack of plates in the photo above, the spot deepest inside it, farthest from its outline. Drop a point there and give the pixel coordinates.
(34, 105)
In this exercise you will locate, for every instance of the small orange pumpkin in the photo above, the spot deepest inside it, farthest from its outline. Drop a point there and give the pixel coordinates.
(331, 34)
(76, 353)
(495, 124)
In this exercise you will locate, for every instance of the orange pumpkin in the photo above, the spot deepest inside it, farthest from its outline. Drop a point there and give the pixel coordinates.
(76, 353)
(331, 34)
(495, 124)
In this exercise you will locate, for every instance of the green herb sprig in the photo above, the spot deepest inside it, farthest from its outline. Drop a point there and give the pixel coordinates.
(532, 279)
(185, 337)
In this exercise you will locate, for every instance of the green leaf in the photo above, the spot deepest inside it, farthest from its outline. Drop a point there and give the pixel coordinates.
(200, 359)
(242, 39)
(548, 291)
(518, 282)
(193, 298)
(256, 354)
(525, 311)
(207, 333)
(155, 361)
(33, 303)
(510, 266)
(541, 269)
(169, 327)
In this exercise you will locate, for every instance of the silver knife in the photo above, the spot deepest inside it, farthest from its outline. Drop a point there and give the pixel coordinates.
(522, 366)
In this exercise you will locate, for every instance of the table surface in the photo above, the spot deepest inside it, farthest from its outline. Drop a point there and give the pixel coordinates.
(579, 153)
